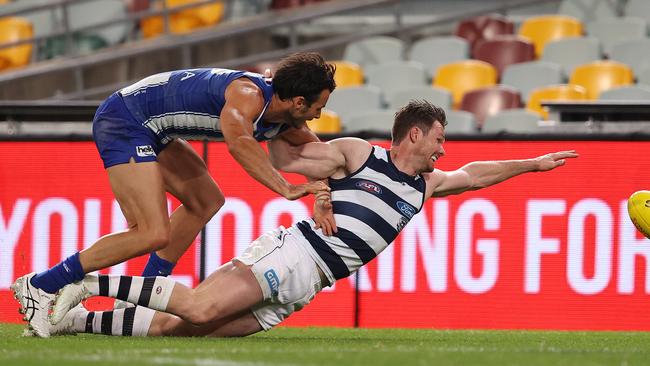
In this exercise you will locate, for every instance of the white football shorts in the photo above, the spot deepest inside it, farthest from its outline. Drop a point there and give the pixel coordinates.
(287, 274)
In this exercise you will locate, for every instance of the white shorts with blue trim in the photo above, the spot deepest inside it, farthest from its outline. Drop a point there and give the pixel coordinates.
(287, 274)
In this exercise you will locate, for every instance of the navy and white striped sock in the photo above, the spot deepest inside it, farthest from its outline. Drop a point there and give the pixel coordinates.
(151, 292)
(134, 321)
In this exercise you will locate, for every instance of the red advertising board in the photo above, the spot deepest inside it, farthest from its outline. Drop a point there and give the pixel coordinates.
(549, 250)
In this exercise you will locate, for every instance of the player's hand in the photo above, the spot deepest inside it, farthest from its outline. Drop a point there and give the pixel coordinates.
(300, 190)
(323, 214)
(554, 160)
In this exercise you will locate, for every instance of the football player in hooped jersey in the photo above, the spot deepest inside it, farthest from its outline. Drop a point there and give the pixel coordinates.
(139, 132)
(374, 193)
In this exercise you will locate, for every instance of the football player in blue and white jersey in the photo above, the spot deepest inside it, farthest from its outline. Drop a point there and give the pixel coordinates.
(139, 132)
(374, 193)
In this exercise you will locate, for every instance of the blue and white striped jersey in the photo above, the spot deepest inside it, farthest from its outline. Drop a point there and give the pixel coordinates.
(371, 206)
(187, 103)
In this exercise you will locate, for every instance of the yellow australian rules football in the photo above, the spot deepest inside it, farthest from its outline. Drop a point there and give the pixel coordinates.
(638, 207)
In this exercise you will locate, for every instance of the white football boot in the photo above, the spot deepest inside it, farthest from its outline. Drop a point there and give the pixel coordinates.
(67, 325)
(34, 304)
(66, 299)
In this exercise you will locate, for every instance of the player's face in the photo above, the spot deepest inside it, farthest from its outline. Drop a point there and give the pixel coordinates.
(303, 112)
(432, 148)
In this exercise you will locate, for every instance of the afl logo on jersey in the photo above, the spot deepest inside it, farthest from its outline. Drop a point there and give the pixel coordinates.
(369, 187)
(406, 209)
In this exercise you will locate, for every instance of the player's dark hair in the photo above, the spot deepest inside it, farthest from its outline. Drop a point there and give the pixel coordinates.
(304, 74)
(417, 113)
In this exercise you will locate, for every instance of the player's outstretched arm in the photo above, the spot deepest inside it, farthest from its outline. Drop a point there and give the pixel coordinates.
(481, 174)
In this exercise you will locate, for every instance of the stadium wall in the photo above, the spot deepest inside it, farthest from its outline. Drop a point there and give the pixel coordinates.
(543, 251)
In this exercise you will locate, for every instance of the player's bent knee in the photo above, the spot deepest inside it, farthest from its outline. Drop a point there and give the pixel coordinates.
(157, 239)
(217, 202)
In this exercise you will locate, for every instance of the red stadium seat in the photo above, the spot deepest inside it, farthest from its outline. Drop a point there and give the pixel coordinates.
(484, 27)
(505, 50)
(487, 102)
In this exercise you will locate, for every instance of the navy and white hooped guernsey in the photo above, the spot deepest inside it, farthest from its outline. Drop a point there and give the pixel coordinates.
(187, 103)
(371, 206)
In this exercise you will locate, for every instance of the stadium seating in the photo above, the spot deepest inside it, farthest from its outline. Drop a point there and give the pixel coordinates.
(486, 102)
(183, 21)
(436, 51)
(347, 74)
(634, 53)
(563, 92)
(13, 29)
(460, 122)
(374, 50)
(284, 4)
(598, 76)
(543, 29)
(85, 14)
(527, 76)
(638, 8)
(512, 120)
(589, 10)
(485, 27)
(644, 77)
(396, 75)
(328, 122)
(461, 77)
(633, 92)
(571, 52)
(502, 51)
(347, 102)
(437, 96)
(611, 31)
(379, 120)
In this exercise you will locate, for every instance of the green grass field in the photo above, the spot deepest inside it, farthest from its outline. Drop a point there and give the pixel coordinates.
(331, 346)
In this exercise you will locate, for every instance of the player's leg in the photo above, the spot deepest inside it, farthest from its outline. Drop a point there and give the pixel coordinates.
(139, 321)
(138, 188)
(186, 176)
(129, 153)
(238, 325)
(230, 290)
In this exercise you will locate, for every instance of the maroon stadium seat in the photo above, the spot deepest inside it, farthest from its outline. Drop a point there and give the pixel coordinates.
(504, 50)
(484, 27)
(486, 102)
(284, 4)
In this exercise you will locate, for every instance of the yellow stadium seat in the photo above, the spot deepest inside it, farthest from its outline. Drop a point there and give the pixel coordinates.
(13, 29)
(463, 76)
(564, 92)
(347, 74)
(600, 76)
(329, 122)
(543, 29)
(184, 21)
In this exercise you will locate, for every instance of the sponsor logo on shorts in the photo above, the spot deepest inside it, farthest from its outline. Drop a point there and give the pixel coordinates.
(406, 209)
(158, 290)
(369, 187)
(145, 150)
(273, 281)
